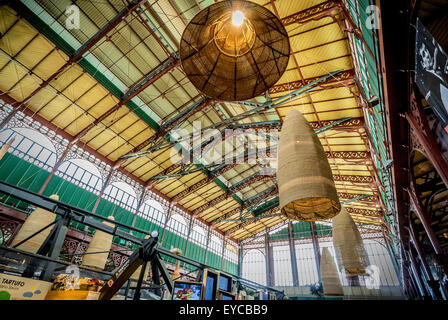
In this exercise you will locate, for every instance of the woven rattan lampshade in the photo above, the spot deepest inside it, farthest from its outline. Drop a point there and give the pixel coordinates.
(330, 276)
(100, 242)
(348, 245)
(176, 272)
(37, 220)
(234, 50)
(306, 187)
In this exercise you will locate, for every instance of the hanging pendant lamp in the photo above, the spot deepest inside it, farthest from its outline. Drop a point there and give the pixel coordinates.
(234, 50)
(101, 242)
(330, 276)
(348, 245)
(176, 272)
(37, 220)
(306, 187)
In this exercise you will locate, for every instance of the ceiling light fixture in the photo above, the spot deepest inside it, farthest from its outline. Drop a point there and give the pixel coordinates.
(234, 50)
(237, 18)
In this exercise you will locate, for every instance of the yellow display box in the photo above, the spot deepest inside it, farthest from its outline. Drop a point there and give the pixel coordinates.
(72, 295)
(67, 287)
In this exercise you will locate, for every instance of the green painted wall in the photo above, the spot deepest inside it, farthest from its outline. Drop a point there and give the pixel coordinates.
(21, 173)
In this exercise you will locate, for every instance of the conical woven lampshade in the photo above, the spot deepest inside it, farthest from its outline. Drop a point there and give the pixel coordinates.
(37, 219)
(350, 252)
(306, 187)
(176, 272)
(234, 50)
(100, 242)
(330, 276)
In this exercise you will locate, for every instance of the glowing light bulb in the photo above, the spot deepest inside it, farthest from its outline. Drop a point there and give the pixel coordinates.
(237, 18)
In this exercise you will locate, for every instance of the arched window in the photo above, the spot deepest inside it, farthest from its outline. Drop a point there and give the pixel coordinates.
(306, 263)
(153, 211)
(282, 266)
(83, 173)
(254, 266)
(156, 205)
(198, 236)
(121, 194)
(379, 261)
(231, 253)
(380, 258)
(215, 245)
(178, 225)
(31, 146)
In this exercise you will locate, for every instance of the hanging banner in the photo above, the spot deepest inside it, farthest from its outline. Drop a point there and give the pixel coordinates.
(431, 73)
(20, 288)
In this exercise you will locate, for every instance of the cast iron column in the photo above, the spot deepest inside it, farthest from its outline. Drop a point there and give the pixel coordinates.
(106, 183)
(423, 216)
(431, 282)
(292, 251)
(240, 261)
(190, 229)
(417, 276)
(208, 242)
(168, 215)
(316, 249)
(393, 259)
(56, 167)
(222, 252)
(139, 205)
(269, 262)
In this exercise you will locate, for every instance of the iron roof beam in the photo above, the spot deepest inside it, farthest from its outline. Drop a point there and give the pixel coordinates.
(156, 30)
(313, 13)
(161, 134)
(331, 125)
(265, 178)
(268, 192)
(247, 181)
(153, 13)
(225, 196)
(206, 145)
(330, 8)
(211, 141)
(244, 224)
(167, 66)
(275, 201)
(343, 78)
(212, 175)
(151, 78)
(273, 212)
(347, 155)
